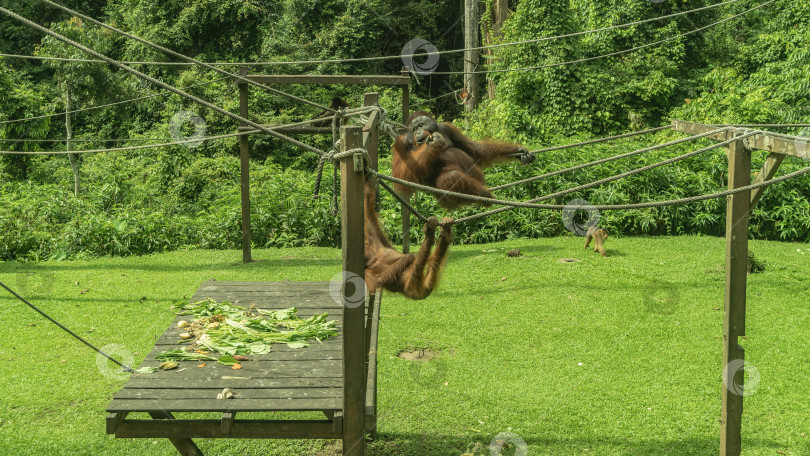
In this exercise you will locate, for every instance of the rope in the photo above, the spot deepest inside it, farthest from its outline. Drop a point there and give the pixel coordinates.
(399, 56)
(159, 94)
(599, 140)
(587, 59)
(184, 57)
(606, 160)
(155, 81)
(403, 201)
(532, 203)
(125, 367)
(83, 140)
(514, 204)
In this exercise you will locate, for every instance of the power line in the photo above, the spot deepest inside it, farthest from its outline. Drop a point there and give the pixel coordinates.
(159, 94)
(157, 82)
(240, 78)
(398, 56)
(625, 51)
(82, 140)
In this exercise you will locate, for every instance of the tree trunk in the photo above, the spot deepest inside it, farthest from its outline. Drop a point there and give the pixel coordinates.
(499, 13)
(471, 56)
(71, 157)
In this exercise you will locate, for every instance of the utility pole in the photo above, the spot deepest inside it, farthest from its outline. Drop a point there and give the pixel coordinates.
(471, 56)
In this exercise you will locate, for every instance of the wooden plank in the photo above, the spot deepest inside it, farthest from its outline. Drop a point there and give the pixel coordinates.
(193, 393)
(766, 173)
(227, 421)
(241, 429)
(183, 445)
(227, 405)
(331, 79)
(761, 141)
(354, 349)
(254, 370)
(311, 382)
(113, 420)
(737, 213)
(406, 214)
(244, 173)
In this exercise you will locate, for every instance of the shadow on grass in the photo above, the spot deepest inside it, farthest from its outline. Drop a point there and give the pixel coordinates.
(413, 444)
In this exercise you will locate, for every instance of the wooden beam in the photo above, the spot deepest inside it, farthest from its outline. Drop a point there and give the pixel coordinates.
(113, 420)
(227, 422)
(371, 136)
(761, 141)
(241, 429)
(471, 24)
(244, 161)
(766, 173)
(331, 79)
(406, 214)
(294, 130)
(737, 213)
(164, 421)
(354, 350)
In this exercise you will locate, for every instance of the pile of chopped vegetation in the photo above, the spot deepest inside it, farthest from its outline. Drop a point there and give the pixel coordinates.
(236, 332)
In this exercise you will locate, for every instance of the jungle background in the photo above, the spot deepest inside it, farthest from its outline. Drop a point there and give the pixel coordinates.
(751, 69)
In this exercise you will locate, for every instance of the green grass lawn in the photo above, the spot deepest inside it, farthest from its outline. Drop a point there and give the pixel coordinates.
(607, 356)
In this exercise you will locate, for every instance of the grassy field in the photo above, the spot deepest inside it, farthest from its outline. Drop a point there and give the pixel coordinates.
(606, 356)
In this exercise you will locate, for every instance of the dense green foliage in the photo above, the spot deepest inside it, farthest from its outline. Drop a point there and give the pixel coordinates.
(751, 69)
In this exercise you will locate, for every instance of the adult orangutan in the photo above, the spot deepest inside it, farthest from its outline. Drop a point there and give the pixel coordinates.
(439, 155)
(413, 275)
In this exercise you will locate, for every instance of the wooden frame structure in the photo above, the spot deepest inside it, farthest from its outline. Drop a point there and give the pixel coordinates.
(738, 208)
(371, 99)
(337, 377)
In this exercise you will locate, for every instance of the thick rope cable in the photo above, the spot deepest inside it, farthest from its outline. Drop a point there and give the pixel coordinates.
(691, 199)
(63, 327)
(599, 140)
(609, 159)
(532, 202)
(159, 94)
(403, 201)
(624, 51)
(156, 81)
(75, 140)
(399, 56)
(191, 60)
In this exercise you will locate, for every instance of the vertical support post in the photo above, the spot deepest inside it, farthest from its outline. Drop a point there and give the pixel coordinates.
(244, 157)
(737, 212)
(406, 214)
(471, 55)
(71, 157)
(354, 341)
(373, 99)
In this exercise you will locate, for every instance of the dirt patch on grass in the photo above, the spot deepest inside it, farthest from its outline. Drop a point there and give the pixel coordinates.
(419, 354)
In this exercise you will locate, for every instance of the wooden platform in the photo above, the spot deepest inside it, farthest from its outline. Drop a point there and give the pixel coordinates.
(289, 380)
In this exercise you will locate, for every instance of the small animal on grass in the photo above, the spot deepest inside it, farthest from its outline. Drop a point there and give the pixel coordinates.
(325, 117)
(598, 235)
(413, 275)
(449, 160)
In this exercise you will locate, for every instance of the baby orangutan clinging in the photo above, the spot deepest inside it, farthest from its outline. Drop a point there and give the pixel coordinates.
(413, 275)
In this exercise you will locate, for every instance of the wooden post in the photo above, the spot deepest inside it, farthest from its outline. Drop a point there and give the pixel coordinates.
(373, 99)
(69, 145)
(354, 346)
(406, 214)
(737, 212)
(471, 55)
(244, 156)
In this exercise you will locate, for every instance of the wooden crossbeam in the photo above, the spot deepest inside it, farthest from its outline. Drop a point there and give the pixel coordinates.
(761, 141)
(331, 79)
